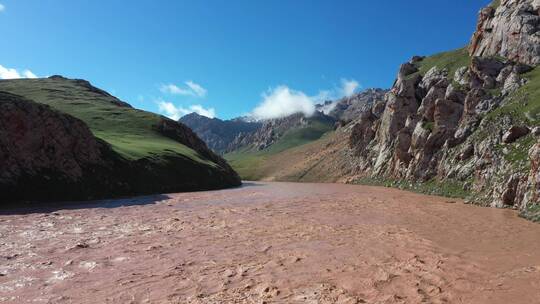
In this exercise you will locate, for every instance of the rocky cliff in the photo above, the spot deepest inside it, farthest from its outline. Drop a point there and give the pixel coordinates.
(43, 150)
(509, 28)
(67, 140)
(272, 130)
(349, 108)
(460, 121)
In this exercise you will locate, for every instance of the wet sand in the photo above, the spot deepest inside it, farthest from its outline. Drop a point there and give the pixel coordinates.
(270, 243)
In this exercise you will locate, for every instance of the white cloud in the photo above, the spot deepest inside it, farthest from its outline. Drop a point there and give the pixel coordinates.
(191, 89)
(349, 87)
(174, 112)
(173, 89)
(197, 89)
(10, 73)
(281, 102)
(29, 74)
(2, 7)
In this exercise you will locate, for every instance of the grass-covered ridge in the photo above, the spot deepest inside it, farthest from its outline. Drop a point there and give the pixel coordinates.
(451, 61)
(129, 131)
(248, 163)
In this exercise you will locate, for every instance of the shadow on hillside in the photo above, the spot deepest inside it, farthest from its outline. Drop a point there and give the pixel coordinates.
(47, 207)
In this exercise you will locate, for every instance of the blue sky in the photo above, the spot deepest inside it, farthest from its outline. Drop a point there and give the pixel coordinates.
(227, 56)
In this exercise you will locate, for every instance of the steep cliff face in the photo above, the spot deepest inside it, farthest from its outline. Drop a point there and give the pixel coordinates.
(44, 153)
(34, 138)
(468, 122)
(509, 29)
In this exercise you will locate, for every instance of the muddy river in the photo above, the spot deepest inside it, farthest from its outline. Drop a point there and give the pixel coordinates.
(270, 243)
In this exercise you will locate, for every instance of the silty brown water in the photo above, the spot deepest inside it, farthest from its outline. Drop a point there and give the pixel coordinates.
(271, 243)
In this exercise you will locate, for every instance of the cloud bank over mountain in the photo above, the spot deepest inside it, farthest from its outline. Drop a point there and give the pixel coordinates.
(283, 101)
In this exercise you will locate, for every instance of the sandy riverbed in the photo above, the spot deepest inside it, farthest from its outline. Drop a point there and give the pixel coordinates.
(270, 243)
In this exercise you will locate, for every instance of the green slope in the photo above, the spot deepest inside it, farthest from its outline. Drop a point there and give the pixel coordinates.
(248, 163)
(451, 61)
(129, 131)
(146, 153)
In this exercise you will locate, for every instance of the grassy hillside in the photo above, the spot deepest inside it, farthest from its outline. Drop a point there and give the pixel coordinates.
(129, 131)
(144, 153)
(251, 164)
(451, 61)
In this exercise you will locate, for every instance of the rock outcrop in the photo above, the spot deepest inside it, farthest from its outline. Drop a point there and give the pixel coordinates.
(509, 30)
(44, 152)
(35, 138)
(272, 130)
(349, 108)
(442, 125)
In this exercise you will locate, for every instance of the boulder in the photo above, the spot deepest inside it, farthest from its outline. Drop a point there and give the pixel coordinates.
(407, 69)
(427, 106)
(514, 133)
(508, 197)
(432, 77)
(505, 72)
(455, 94)
(512, 83)
(536, 131)
(447, 114)
(484, 71)
(462, 76)
(467, 152)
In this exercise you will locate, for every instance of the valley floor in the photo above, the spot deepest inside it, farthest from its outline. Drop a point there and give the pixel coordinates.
(270, 243)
